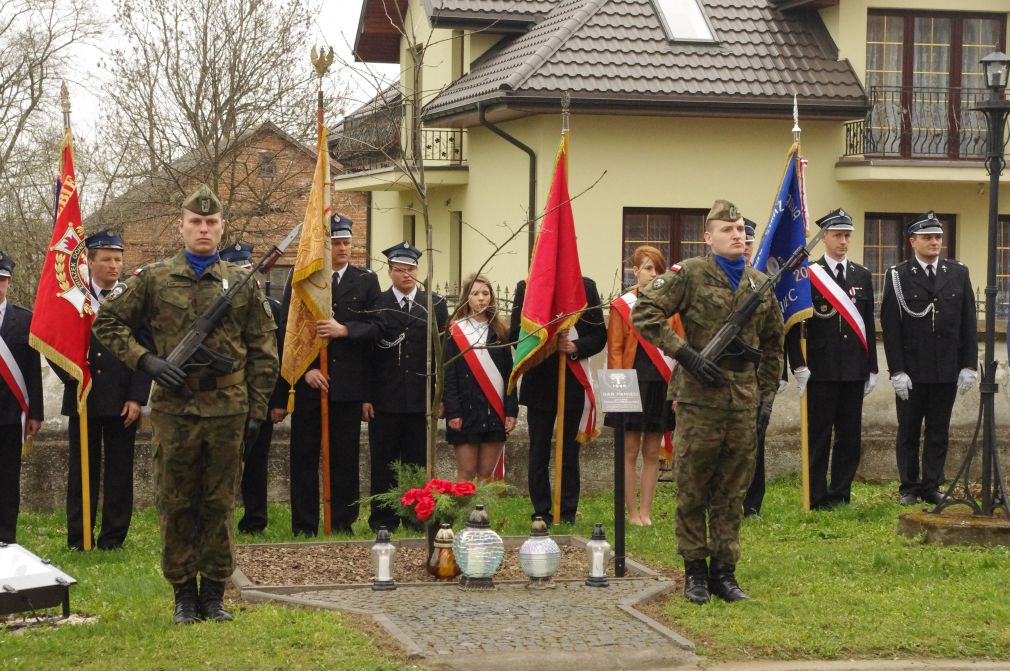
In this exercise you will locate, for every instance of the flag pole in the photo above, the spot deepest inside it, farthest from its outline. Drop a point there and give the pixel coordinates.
(322, 62)
(82, 398)
(804, 426)
(559, 437)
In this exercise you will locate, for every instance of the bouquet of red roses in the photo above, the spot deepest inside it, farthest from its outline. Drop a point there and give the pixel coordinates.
(435, 501)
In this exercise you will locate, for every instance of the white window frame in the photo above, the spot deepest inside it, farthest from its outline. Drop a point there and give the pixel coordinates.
(671, 36)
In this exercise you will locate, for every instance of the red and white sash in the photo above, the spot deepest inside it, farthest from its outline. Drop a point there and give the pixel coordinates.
(470, 338)
(623, 305)
(840, 300)
(580, 369)
(11, 374)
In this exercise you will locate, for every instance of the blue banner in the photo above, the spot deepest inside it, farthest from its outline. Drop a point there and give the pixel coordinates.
(785, 232)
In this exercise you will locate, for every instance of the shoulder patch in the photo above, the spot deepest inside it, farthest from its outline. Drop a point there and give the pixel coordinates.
(119, 291)
(266, 309)
(658, 283)
(675, 268)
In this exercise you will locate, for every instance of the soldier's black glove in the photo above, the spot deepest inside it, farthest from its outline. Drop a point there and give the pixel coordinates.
(704, 370)
(252, 431)
(162, 371)
(764, 416)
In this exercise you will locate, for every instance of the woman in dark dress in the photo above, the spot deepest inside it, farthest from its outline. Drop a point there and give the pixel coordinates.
(478, 411)
(643, 431)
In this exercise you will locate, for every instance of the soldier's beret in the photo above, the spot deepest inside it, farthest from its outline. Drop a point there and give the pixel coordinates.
(749, 228)
(6, 265)
(403, 253)
(925, 224)
(836, 220)
(238, 253)
(340, 226)
(203, 201)
(104, 240)
(723, 210)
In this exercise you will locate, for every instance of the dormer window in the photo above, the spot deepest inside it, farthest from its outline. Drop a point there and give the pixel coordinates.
(684, 21)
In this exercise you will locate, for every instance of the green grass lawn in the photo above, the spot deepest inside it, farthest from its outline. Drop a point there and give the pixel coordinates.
(825, 585)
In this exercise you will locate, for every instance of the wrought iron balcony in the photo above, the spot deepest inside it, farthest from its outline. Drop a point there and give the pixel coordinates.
(443, 144)
(920, 123)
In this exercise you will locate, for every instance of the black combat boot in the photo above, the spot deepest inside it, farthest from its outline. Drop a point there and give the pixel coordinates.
(211, 604)
(185, 602)
(722, 583)
(696, 581)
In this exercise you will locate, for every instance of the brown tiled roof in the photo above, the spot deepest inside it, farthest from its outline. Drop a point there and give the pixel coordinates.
(614, 54)
(529, 10)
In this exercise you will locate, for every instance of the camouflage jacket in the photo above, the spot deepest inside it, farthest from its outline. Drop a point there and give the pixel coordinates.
(170, 297)
(697, 289)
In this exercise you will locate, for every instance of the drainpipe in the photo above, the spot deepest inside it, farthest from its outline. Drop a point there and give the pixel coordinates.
(532, 231)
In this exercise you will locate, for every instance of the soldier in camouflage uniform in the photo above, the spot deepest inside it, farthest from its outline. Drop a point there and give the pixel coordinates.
(718, 405)
(198, 419)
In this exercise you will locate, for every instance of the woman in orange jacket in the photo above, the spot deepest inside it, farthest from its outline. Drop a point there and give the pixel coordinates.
(643, 431)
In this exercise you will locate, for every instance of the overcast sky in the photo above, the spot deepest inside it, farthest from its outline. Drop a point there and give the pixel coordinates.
(335, 27)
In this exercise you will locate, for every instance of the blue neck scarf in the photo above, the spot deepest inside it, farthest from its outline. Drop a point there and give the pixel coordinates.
(200, 263)
(733, 269)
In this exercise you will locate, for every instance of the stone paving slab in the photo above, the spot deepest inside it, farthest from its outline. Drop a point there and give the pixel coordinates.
(569, 627)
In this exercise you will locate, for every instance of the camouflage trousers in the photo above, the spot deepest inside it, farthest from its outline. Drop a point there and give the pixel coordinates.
(716, 452)
(197, 466)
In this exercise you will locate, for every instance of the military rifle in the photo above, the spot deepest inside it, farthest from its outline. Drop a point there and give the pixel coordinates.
(727, 342)
(191, 354)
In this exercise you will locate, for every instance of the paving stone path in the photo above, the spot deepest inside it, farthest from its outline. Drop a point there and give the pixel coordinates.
(569, 627)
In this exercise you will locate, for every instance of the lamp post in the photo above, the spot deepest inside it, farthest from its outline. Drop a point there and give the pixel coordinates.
(995, 69)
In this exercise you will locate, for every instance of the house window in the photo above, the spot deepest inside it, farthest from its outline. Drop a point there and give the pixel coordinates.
(923, 78)
(677, 233)
(409, 228)
(268, 165)
(1003, 267)
(684, 21)
(885, 244)
(455, 251)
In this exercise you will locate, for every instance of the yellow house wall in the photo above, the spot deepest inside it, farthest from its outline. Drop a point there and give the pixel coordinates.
(662, 163)
(847, 21)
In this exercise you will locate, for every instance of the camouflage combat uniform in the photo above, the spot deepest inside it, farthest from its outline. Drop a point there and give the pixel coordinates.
(715, 436)
(197, 440)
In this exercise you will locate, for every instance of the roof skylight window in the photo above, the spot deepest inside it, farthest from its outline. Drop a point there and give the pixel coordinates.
(685, 21)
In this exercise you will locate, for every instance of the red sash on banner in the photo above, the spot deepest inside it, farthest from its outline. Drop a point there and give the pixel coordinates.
(840, 300)
(580, 369)
(467, 337)
(623, 306)
(11, 374)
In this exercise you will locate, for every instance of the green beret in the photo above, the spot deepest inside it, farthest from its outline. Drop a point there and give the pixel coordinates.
(723, 210)
(203, 201)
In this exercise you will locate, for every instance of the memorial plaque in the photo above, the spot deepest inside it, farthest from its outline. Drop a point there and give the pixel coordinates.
(618, 390)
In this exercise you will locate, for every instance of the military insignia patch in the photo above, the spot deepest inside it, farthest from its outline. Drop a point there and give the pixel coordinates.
(266, 309)
(675, 268)
(117, 292)
(658, 283)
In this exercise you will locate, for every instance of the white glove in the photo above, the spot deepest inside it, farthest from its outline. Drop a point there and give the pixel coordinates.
(966, 379)
(782, 386)
(901, 383)
(871, 382)
(802, 376)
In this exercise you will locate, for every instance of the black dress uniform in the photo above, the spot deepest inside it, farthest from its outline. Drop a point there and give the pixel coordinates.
(397, 384)
(112, 385)
(255, 469)
(839, 369)
(355, 292)
(538, 391)
(14, 325)
(931, 335)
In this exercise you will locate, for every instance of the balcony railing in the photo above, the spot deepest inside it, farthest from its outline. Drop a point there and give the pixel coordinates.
(920, 123)
(443, 144)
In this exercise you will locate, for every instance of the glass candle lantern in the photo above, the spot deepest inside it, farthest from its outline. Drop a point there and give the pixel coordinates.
(598, 551)
(382, 556)
(478, 550)
(539, 556)
(442, 565)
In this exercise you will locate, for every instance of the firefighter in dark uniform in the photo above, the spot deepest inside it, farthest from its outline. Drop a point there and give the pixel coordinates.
(257, 458)
(396, 410)
(931, 343)
(538, 391)
(352, 330)
(114, 403)
(840, 371)
(14, 324)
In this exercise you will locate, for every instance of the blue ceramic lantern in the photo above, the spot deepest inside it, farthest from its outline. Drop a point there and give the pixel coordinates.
(478, 551)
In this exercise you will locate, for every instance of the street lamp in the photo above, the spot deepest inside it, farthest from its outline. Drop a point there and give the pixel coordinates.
(995, 69)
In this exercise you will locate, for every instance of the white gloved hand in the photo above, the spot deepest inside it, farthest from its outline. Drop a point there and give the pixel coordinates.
(802, 376)
(782, 386)
(871, 382)
(901, 383)
(966, 379)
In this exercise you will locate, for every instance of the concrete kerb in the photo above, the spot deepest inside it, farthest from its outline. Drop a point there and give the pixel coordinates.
(297, 595)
